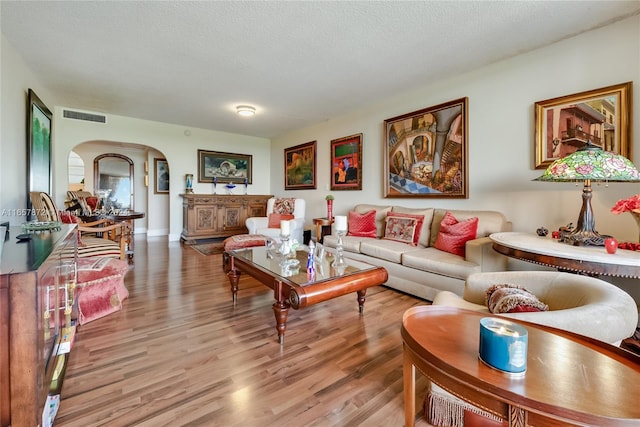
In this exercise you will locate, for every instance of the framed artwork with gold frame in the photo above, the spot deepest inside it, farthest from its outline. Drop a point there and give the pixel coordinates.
(564, 124)
(346, 163)
(300, 167)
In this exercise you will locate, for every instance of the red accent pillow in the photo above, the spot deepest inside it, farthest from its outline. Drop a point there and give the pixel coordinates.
(362, 225)
(92, 201)
(275, 218)
(69, 218)
(505, 298)
(419, 220)
(453, 234)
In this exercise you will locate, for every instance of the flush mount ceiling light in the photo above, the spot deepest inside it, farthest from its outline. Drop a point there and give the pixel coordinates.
(246, 110)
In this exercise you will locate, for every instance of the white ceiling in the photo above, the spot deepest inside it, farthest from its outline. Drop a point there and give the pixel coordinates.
(299, 63)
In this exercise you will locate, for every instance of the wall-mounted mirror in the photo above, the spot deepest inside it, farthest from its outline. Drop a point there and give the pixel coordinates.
(114, 172)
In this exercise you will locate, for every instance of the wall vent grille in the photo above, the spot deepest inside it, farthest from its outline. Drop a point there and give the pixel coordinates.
(87, 117)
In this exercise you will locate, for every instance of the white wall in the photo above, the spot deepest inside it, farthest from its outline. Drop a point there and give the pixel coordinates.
(501, 135)
(178, 144)
(16, 79)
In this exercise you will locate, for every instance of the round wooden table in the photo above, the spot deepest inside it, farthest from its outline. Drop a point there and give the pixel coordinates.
(570, 379)
(590, 260)
(320, 224)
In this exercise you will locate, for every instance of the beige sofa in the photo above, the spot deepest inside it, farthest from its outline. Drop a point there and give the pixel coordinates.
(423, 270)
(581, 304)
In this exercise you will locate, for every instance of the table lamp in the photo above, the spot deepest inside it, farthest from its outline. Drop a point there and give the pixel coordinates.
(589, 163)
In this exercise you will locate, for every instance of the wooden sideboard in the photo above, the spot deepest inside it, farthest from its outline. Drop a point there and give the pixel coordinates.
(206, 216)
(30, 327)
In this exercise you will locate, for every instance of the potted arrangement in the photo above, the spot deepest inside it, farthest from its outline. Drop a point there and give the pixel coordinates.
(329, 200)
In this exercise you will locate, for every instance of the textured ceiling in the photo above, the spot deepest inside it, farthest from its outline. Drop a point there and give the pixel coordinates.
(190, 63)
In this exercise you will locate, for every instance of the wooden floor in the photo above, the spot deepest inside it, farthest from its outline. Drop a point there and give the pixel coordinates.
(179, 354)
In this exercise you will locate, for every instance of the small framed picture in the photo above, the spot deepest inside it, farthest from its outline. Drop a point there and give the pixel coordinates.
(346, 163)
(161, 171)
(300, 167)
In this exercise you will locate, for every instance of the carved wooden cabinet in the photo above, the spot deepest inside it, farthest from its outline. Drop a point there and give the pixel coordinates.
(206, 216)
(31, 323)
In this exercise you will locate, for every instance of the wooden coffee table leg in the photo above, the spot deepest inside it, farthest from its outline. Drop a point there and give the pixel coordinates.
(409, 382)
(361, 299)
(280, 309)
(234, 277)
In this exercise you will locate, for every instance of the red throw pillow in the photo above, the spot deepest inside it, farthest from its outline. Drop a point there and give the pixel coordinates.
(505, 298)
(453, 234)
(362, 225)
(69, 218)
(92, 202)
(418, 228)
(275, 218)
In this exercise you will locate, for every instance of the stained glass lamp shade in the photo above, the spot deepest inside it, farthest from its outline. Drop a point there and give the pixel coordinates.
(589, 163)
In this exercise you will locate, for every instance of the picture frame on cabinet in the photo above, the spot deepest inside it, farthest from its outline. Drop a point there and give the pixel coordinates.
(426, 152)
(346, 163)
(564, 124)
(300, 167)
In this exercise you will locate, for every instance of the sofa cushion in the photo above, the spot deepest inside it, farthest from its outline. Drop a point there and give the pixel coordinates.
(275, 218)
(362, 224)
(425, 229)
(381, 215)
(454, 234)
(400, 229)
(439, 262)
(349, 243)
(506, 298)
(388, 250)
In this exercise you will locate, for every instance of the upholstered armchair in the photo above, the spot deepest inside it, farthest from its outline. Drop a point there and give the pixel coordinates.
(280, 208)
(581, 304)
(100, 238)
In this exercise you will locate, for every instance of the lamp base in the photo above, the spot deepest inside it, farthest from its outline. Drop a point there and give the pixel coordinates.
(583, 238)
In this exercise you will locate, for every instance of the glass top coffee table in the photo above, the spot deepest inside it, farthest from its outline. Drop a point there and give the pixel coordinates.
(291, 285)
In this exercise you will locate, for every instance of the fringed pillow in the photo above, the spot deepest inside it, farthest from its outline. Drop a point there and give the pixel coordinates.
(400, 229)
(418, 227)
(506, 298)
(284, 205)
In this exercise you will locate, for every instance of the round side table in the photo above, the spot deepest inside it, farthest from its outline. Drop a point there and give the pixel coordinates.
(323, 227)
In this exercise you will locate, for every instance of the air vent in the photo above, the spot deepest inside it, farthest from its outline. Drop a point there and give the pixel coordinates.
(87, 117)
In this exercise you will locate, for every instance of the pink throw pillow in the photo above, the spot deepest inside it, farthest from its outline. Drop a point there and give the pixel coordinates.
(400, 229)
(275, 218)
(453, 234)
(418, 228)
(362, 225)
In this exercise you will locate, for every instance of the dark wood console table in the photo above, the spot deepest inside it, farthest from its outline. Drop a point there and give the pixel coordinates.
(570, 379)
(590, 260)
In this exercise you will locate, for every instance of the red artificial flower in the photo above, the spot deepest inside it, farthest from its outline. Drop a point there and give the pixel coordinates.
(631, 204)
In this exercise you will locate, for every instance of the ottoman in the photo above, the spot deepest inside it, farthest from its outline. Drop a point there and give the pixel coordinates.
(240, 241)
(100, 287)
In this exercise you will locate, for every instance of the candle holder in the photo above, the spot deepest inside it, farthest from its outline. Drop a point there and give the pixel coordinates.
(503, 345)
(285, 244)
(339, 262)
(188, 183)
(215, 182)
(246, 186)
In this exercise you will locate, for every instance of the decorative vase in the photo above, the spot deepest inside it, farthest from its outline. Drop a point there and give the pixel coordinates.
(188, 183)
(329, 209)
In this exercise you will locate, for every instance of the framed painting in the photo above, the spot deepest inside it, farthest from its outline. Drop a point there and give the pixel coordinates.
(346, 163)
(564, 124)
(426, 152)
(38, 145)
(161, 172)
(224, 167)
(300, 167)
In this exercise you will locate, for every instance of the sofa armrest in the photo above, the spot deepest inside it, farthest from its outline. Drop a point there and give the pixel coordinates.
(255, 223)
(480, 251)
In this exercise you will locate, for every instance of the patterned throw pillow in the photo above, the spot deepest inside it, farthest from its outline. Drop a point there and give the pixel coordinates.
(400, 229)
(275, 218)
(69, 218)
(419, 220)
(505, 298)
(284, 206)
(453, 234)
(362, 225)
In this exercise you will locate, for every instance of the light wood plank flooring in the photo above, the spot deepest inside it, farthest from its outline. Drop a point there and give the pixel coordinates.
(179, 354)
